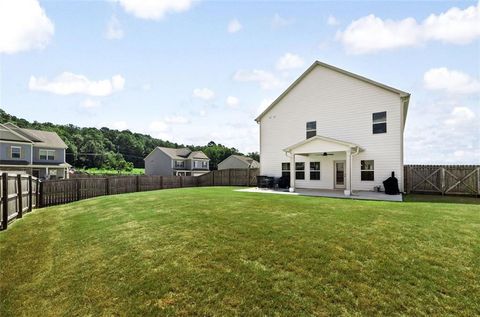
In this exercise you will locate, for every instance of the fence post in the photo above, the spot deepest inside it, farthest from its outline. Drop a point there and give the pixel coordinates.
(213, 178)
(161, 182)
(107, 186)
(30, 193)
(37, 193)
(248, 176)
(478, 181)
(40, 195)
(78, 187)
(138, 183)
(19, 196)
(181, 181)
(5, 200)
(442, 179)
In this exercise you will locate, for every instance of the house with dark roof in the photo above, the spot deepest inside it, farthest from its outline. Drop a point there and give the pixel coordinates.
(238, 161)
(164, 161)
(34, 152)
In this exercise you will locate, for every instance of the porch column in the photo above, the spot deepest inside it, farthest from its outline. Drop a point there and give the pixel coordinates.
(348, 172)
(292, 173)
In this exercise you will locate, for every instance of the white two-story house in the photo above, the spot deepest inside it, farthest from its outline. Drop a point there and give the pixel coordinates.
(332, 129)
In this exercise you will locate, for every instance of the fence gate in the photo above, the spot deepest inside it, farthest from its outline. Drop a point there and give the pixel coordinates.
(443, 179)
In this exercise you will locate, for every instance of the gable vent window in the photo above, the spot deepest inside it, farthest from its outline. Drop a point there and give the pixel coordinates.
(380, 122)
(311, 129)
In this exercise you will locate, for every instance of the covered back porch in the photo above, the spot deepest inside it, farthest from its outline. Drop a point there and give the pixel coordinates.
(326, 163)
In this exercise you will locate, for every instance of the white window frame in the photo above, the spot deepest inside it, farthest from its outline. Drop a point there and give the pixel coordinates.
(315, 170)
(310, 130)
(49, 155)
(182, 165)
(200, 164)
(380, 122)
(286, 170)
(19, 153)
(300, 170)
(367, 170)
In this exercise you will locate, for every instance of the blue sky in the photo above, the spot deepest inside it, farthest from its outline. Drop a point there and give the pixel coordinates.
(192, 72)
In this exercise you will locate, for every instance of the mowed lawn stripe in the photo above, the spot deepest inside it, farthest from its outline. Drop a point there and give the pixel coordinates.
(215, 251)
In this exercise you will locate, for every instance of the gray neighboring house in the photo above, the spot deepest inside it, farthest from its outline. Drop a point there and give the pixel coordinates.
(34, 152)
(176, 162)
(238, 161)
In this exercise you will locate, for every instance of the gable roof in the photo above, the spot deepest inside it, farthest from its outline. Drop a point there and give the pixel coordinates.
(248, 161)
(37, 137)
(321, 138)
(339, 70)
(181, 153)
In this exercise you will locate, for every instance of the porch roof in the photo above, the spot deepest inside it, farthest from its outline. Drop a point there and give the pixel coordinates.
(320, 144)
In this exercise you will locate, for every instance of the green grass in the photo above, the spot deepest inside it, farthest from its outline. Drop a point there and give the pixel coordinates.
(104, 171)
(214, 251)
(443, 199)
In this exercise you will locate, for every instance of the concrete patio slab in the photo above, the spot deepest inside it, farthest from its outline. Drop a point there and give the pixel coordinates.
(364, 195)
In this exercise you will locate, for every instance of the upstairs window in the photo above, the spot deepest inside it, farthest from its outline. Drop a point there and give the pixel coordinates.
(367, 170)
(311, 129)
(285, 169)
(47, 155)
(16, 152)
(200, 164)
(380, 122)
(300, 170)
(314, 171)
(179, 164)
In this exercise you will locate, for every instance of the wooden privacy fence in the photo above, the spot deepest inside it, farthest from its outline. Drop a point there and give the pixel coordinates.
(57, 192)
(19, 194)
(443, 179)
(22, 193)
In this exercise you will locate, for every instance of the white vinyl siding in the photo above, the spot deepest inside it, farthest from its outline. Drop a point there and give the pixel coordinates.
(342, 107)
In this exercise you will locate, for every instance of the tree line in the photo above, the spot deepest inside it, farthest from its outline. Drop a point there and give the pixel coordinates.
(114, 149)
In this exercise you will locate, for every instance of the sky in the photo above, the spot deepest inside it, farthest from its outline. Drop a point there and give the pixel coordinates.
(195, 71)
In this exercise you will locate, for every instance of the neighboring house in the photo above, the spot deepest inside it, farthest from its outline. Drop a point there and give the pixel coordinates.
(332, 129)
(238, 161)
(34, 152)
(181, 162)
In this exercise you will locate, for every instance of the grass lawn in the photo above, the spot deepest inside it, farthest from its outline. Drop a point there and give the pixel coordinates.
(104, 171)
(214, 251)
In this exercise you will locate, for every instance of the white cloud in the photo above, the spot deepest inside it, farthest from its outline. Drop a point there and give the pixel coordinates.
(68, 83)
(158, 126)
(459, 116)
(234, 26)
(265, 79)
(90, 103)
(372, 34)
(203, 93)
(232, 101)
(154, 9)
(289, 61)
(119, 125)
(452, 81)
(279, 21)
(114, 29)
(23, 26)
(176, 120)
(332, 21)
